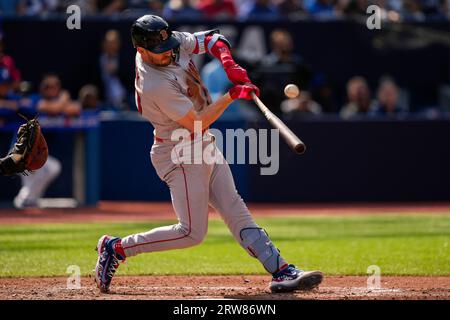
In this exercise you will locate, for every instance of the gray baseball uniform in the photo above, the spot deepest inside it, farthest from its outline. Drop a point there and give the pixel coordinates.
(165, 95)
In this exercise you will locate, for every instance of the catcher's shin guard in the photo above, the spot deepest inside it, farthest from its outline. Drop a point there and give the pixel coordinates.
(258, 245)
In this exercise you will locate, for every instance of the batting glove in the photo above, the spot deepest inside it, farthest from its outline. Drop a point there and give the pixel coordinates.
(243, 91)
(236, 74)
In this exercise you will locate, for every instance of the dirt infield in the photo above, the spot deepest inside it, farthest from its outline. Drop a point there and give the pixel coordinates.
(138, 211)
(224, 287)
(216, 287)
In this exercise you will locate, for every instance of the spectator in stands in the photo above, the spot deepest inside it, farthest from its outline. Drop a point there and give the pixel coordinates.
(37, 7)
(7, 62)
(445, 8)
(110, 6)
(243, 7)
(301, 106)
(141, 7)
(322, 92)
(359, 101)
(291, 8)
(218, 9)
(280, 67)
(88, 97)
(180, 9)
(388, 100)
(412, 10)
(322, 8)
(432, 8)
(215, 79)
(9, 102)
(355, 7)
(144, 5)
(28, 100)
(114, 90)
(55, 100)
(263, 10)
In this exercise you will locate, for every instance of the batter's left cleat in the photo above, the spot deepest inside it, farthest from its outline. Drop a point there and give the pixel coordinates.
(110, 255)
(291, 278)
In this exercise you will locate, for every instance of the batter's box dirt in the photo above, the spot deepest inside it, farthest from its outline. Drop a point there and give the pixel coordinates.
(222, 287)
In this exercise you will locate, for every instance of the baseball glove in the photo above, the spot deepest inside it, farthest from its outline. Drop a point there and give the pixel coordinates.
(29, 153)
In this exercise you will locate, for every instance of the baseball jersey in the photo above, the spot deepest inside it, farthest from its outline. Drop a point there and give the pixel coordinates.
(166, 94)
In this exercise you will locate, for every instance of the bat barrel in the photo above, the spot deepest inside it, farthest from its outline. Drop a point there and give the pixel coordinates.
(291, 139)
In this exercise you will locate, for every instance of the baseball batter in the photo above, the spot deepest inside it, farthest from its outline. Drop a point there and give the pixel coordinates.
(171, 95)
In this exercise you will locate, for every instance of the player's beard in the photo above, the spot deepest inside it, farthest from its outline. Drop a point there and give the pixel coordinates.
(169, 61)
(163, 62)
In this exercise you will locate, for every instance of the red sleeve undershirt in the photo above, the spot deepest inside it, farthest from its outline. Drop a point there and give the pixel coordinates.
(220, 51)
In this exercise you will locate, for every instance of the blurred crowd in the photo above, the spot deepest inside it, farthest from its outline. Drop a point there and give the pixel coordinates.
(394, 10)
(279, 67)
(282, 66)
(49, 95)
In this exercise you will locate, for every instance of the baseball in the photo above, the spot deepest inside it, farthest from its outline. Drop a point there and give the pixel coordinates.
(291, 91)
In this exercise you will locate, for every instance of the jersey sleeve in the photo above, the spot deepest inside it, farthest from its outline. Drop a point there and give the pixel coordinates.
(199, 42)
(187, 41)
(170, 100)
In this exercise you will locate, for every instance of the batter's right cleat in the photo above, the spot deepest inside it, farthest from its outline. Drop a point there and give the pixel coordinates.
(291, 278)
(110, 255)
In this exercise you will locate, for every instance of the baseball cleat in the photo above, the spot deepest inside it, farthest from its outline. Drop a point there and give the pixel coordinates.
(108, 261)
(291, 279)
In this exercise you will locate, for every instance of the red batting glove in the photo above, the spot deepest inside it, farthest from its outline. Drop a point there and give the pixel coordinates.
(242, 91)
(236, 74)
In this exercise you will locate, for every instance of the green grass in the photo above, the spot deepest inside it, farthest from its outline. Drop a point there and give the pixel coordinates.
(347, 245)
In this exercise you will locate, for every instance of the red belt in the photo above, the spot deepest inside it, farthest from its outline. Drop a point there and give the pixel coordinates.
(158, 139)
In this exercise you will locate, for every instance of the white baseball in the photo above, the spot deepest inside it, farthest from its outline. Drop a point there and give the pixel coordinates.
(291, 91)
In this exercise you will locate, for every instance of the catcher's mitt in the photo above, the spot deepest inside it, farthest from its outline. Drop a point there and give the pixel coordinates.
(29, 153)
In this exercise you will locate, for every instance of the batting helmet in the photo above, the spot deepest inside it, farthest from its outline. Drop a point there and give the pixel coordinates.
(153, 33)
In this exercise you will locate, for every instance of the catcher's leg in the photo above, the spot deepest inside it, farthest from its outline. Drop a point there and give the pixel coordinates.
(189, 188)
(36, 183)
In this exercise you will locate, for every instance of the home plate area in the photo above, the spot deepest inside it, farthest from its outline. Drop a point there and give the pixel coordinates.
(242, 287)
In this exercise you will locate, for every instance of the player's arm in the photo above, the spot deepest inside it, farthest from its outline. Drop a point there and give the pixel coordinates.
(208, 115)
(178, 107)
(217, 45)
(212, 112)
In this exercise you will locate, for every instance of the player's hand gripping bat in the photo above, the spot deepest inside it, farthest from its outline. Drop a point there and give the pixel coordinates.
(291, 139)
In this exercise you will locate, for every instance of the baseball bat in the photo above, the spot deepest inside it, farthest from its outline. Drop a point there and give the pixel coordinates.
(291, 139)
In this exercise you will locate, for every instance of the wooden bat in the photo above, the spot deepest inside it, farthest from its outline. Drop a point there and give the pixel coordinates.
(291, 139)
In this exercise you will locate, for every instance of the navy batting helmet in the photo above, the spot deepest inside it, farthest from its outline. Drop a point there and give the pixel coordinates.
(153, 33)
